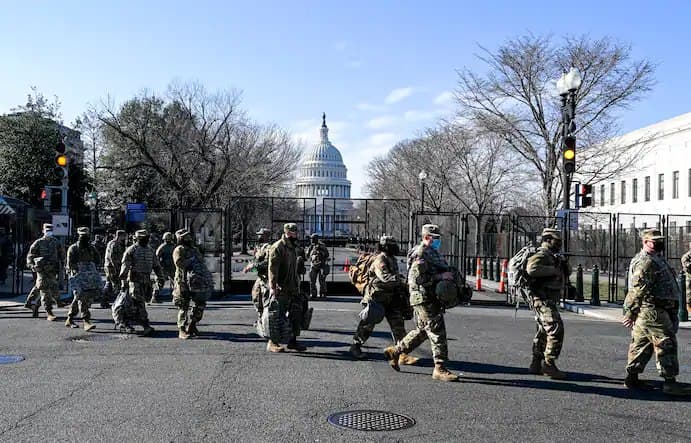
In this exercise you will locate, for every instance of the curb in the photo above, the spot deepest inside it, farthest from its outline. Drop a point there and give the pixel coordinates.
(613, 314)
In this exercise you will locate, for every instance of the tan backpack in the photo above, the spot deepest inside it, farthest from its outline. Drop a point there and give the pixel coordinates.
(359, 272)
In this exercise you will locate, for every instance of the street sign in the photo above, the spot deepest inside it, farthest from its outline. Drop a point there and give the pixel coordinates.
(571, 215)
(61, 225)
(136, 212)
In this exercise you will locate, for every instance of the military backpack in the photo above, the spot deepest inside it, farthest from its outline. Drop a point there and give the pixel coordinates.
(359, 272)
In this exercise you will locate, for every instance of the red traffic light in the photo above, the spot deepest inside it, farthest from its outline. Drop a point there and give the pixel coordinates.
(44, 194)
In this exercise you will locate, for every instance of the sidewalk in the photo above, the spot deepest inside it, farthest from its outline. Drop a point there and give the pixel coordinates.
(607, 312)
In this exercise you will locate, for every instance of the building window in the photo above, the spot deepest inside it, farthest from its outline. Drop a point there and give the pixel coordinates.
(623, 192)
(647, 189)
(634, 191)
(611, 193)
(660, 186)
(602, 195)
(675, 184)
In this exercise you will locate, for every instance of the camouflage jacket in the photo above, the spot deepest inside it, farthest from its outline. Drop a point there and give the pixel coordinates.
(49, 250)
(261, 260)
(548, 273)
(383, 277)
(424, 264)
(283, 266)
(651, 284)
(318, 254)
(686, 263)
(113, 258)
(77, 254)
(137, 264)
(183, 256)
(164, 253)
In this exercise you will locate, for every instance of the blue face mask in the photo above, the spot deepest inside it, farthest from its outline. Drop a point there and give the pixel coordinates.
(436, 244)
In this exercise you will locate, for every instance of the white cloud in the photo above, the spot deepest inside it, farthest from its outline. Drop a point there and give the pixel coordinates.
(380, 122)
(370, 107)
(420, 115)
(397, 95)
(444, 98)
(382, 139)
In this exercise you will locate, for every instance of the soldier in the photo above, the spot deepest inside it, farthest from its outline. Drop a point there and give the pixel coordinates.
(548, 272)
(686, 267)
(193, 282)
(137, 263)
(113, 261)
(82, 257)
(386, 288)
(284, 286)
(650, 309)
(426, 267)
(319, 258)
(44, 258)
(260, 263)
(164, 253)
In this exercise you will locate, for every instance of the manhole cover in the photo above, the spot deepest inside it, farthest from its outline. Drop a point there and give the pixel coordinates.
(9, 359)
(99, 338)
(367, 420)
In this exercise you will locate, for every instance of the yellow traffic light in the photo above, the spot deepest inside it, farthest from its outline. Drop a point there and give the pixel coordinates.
(569, 154)
(61, 160)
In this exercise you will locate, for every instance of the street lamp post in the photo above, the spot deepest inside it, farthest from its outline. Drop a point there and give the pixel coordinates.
(422, 176)
(91, 202)
(567, 85)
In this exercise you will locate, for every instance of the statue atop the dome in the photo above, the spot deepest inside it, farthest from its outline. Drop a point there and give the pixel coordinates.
(323, 119)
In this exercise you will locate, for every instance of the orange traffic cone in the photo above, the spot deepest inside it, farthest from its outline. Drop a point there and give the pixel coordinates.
(346, 266)
(504, 277)
(478, 275)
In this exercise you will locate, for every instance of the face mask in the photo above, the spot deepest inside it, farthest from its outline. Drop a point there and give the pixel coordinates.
(48, 233)
(556, 245)
(659, 246)
(143, 241)
(436, 243)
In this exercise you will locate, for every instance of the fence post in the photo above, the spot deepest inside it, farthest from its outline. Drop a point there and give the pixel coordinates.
(491, 268)
(595, 288)
(484, 267)
(497, 270)
(579, 283)
(683, 313)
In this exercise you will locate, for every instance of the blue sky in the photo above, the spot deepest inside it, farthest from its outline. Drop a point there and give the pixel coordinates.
(381, 70)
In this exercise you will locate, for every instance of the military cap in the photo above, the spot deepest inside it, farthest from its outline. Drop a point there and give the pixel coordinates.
(431, 230)
(387, 240)
(47, 227)
(83, 231)
(263, 231)
(652, 234)
(180, 233)
(290, 227)
(553, 233)
(141, 233)
(314, 236)
(167, 236)
(120, 232)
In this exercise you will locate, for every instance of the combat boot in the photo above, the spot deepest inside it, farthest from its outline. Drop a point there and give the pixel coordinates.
(148, 330)
(274, 347)
(550, 369)
(88, 325)
(70, 324)
(49, 315)
(125, 329)
(356, 351)
(105, 305)
(182, 334)
(633, 382)
(405, 359)
(674, 388)
(34, 311)
(441, 373)
(293, 345)
(392, 355)
(28, 304)
(192, 329)
(536, 366)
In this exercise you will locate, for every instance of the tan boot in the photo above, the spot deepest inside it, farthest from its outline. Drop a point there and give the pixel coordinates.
(550, 369)
(88, 325)
(443, 374)
(392, 355)
(50, 316)
(182, 334)
(274, 347)
(405, 359)
(70, 324)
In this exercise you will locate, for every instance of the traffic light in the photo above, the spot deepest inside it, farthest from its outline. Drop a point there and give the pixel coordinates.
(61, 160)
(569, 154)
(585, 196)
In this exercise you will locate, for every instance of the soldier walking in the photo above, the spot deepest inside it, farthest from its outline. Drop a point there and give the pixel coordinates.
(164, 253)
(193, 283)
(284, 286)
(548, 272)
(426, 268)
(260, 264)
(319, 259)
(112, 264)
(387, 289)
(137, 263)
(44, 258)
(650, 310)
(85, 281)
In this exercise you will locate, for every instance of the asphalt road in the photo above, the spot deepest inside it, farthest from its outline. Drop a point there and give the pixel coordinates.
(224, 386)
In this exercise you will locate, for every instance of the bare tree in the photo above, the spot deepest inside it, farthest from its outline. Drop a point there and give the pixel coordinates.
(517, 100)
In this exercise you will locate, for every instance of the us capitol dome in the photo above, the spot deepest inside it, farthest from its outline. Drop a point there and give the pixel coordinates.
(323, 177)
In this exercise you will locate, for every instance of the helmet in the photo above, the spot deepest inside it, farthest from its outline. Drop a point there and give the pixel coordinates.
(168, 236)
(447, 293)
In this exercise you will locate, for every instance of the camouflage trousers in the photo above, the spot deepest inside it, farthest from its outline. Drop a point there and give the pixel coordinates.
(140, 293)
(549, 337)
(429, 323)
(81, 303)
(112, 288)
(168, 275)
(318, 272)
(290, 306)
(688, 290)
(47, 284)
(393, 315)
(654, 332)
(182, 300)
(260, 291)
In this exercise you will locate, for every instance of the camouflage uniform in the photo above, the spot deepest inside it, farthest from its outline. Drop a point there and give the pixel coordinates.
(44, 257)
(318, 255)
(260, 289)
(164, 253)
(686, 267)
(113, 262)
(652, 301)
(186, 257)
(548, 273)
(284, 279)
(137, 263)
(386, 289)
(79, 259)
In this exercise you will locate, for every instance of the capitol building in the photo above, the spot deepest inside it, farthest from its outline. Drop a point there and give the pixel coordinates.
(323, 178)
